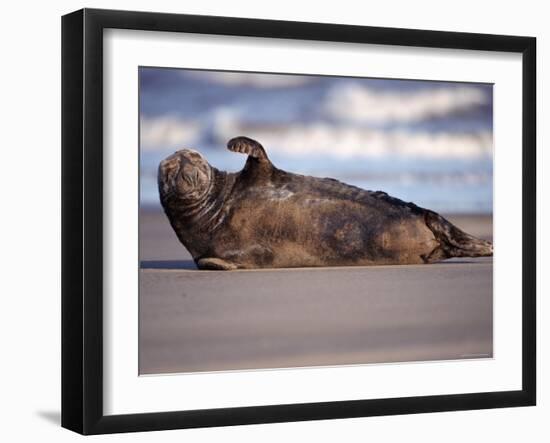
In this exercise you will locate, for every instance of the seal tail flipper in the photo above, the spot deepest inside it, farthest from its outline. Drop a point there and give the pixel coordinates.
(453, 242)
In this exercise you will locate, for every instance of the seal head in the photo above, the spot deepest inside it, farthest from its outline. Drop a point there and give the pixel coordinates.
(190, 190)
(185, 176)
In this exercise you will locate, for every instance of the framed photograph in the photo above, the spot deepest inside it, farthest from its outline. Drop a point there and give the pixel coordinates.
(269, 221)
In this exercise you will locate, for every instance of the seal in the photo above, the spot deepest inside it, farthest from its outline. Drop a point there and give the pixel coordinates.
(264, 217)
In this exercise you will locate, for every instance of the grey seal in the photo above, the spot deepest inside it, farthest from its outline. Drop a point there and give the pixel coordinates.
(264, 217)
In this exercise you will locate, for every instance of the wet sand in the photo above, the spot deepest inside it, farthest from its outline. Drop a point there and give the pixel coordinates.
(194, 320)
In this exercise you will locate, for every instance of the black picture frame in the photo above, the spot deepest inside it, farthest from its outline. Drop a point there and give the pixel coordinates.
(82, 218)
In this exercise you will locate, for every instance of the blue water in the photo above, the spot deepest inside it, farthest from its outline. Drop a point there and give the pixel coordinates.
(407, 140)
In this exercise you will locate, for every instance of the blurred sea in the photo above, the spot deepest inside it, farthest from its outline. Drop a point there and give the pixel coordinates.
(421, 141)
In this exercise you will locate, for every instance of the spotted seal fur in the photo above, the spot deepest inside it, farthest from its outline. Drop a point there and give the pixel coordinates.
(264, 217)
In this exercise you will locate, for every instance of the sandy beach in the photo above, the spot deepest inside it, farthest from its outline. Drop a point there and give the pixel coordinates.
(194, 320)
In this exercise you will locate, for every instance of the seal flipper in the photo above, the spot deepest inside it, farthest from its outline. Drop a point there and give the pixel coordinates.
(257, 166)
(453, 242)
(215, 264)
(246, 145)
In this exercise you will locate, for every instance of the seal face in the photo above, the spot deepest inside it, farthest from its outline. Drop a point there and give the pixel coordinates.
(264, 217)
(185, 175)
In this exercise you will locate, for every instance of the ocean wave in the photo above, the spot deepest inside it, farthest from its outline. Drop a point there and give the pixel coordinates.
(254, 80)
(359, 103)
(328, 139)
(349, 142)
(167, 132)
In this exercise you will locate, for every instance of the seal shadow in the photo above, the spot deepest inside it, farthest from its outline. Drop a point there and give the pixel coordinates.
(461, 260)
(190, 264)
(168, 264)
